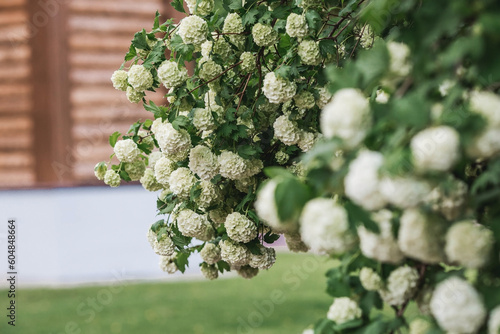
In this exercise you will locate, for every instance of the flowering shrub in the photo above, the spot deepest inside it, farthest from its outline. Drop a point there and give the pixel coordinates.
(368, 131)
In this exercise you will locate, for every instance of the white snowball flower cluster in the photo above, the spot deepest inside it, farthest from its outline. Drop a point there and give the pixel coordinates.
(435, 149)
(170, 140)
(324, 97)
(210, 253)
(278, 90)
(362, 182)
(263, 261)
(234, 253)
(367, 37)
(140, 77)
(308, 52)
(457, 306)
(469, 244)
(494, 322)
(370, 280)
(248, 64)
(192, 224)
(135, 170)
(112, 179)
(448, 198)
(264, 35)
(119, 80)
(296, 25)
(240, 228)
(419, 326)
(126, 150)
(203, 119)
(204, 7)
(193, 30)
(234, 167)
(209, 70)
(234, 26)
(167, 264)
(164, 247)
(210, 194)
(209, 271)
(404, 192)
(401, 285)
(100, 170)
(344, 309)
(486, 144)
(304, 99)
(399, 54)
(324, 227)
(286, 130)
(170, 75)
(382, 97)
(181, 180)
(421, 237)
(265, 205)
(380, 246)
(163, 169)
(149, 182)
(247, 272)
(153, 159)
(347, 116)
(203, 162)
(306, 140)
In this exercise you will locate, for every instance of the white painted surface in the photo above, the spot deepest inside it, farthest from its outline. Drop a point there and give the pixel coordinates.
(81, 235)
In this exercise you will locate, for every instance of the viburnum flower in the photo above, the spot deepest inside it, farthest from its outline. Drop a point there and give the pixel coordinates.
(126, 150)
(204, 7)
(218, 216)
(343, 309)
(347, 116)
(324, 227)
(278, 90)
(167, 264)
(240, 228)
(163, 168)
(308, 52)
(170, 75)
(421, 236)
(209, 271)
(296, 25)
(234, 26)
(232, 166)
(140, 78)
(286, 130)
(435, 149)
(311, 4)
(265, 205)
(304, 99)
(203, 162)
(209, 69)
(134, 96)
(247, 272)
(112, 178)
(294, 242)
(404, 192)
(469, 244)
(193, 30)
(485, 145)
(401, 285)
(306, 140)
(119, 80)
(380, 246)
(100, 170)
(135, 169)
(164, 247)
(181, 180)
(170, 140)
(486, 104)
(210, 253)
(457, 306)
(210, 194)
(420, 326)
(203, 119)
(264, 35)
(234, 253)
(324, 97)
(265, 260)
(149, 181)
(362, 182)
(370, 280)
(248, 64)
(192, 224)
(399, 64)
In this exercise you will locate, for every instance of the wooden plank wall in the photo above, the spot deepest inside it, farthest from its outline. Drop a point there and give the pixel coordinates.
(17, 165)
(97, 36)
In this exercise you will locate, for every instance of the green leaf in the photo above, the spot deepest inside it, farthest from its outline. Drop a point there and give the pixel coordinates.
(195, 191)
(249, 17)
(178, 45)
(273, 172)
(327, 47)
(373, 64)
(156, 23)
(182, 261)
(269, 237)
(222, 265)
(180, 122)
(124, 176)
(158, 111)
(114, 138)
(178, 5)
(246, 151)
(291, 195)
(313, 20)
(131, 53)
(140, 40)
(358, 215)
(253, 247)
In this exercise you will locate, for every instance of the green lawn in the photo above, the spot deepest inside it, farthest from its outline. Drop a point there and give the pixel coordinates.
(285, 299)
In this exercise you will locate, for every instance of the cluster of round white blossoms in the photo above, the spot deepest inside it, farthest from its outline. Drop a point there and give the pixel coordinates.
(203, 119)
(234, 167)
(469, 244)
(435, 149)
(347, 117)
(286, 130)
(192, 224)
(278, 90)
(170, 75)
(167, 264)
(209, 271)
(135, 170)
(264, 35)
(181, 181)
(448, 198)
(163, 169)
(404, 192)
(324, 97)
(247, 272)
(119, 80)
(296, 25)
(169, 139)
(100, 170)
(149, 182)
(324, 227)
(343, 309)
(248, 64)
(112, 178)
(263, 261)
(457, 306)
(204, 7)
(140, 78)
(370, 280)
(164, 247)
(235, 254)
(308, 52)
(203, 162)
(401, 285)
(399, 63)
(126, 150)
(234, 26)
(134, 96)
(487, 143)
(210, 253)
(419, 326)
(209, 69)
(265, 205)
(193, 30)
(240, 228)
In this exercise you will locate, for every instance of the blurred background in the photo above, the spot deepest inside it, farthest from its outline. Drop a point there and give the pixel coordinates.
(83, 262)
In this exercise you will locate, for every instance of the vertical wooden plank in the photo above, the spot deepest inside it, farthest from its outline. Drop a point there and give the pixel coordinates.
(51, 107)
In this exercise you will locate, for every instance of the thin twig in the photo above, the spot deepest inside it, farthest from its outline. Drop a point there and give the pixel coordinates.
(243, 92)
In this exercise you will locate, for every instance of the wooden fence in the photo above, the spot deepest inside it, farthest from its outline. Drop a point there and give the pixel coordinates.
(57, 104)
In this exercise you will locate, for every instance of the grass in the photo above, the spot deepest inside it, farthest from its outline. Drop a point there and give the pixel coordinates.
(285, 299)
